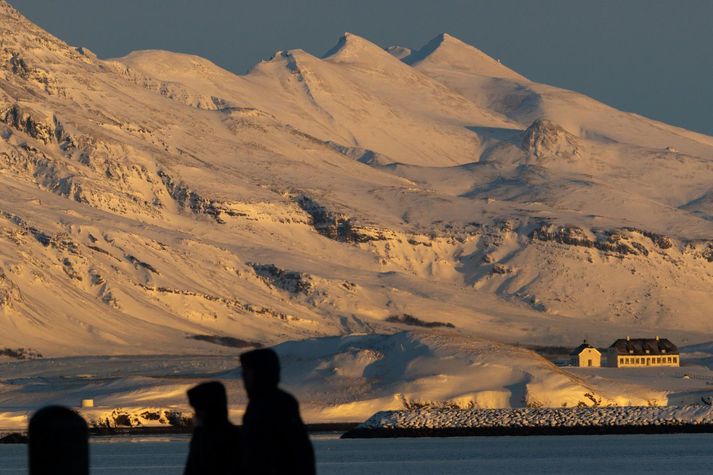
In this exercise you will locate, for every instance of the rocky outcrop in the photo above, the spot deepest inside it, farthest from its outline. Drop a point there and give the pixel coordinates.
(613, 242)
(406, 319)
(707, 252)
(337, 226)
(20, 353)
(139, 264)
(290, 281)
(192, 200)
(59, 241)
(151, 417)
(37, 125)
(230, 303)
(544, 139)
(14, 62)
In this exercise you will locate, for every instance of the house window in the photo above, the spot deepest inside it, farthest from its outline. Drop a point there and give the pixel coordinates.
(675, 359)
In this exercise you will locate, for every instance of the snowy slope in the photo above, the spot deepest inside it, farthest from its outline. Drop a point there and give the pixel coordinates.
(159, 204)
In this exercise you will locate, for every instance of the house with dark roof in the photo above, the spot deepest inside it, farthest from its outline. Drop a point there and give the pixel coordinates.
(642, 352)
(585, 355)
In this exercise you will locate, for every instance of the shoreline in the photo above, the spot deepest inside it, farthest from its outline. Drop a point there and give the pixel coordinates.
(10, 436)
(387, 433)
(453, 422)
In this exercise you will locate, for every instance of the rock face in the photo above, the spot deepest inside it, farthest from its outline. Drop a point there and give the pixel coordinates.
(150, 417)
(337, 226)
(544, 139)
(290, 281)
(606, 241)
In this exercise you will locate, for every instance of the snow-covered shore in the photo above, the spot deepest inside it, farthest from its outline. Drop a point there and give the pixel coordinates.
(527, 421)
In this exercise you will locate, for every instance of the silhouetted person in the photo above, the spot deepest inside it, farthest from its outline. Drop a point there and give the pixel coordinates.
(275, 441)
(59, 442)
(215, 445)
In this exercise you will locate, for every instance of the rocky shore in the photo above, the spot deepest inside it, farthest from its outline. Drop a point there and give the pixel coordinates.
(535, 421)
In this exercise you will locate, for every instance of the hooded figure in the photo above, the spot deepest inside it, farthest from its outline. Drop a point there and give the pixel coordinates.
(215, 445)
(275, 440)
(58, 442)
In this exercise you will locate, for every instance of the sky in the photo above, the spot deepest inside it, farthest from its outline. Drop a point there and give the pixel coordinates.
(652, 57)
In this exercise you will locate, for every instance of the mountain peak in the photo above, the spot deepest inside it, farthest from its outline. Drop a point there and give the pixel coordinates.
(447, 37)
(354, 48)
(6, 8)
(447, 51)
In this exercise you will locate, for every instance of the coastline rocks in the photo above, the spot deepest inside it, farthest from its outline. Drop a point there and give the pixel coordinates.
(537, 418)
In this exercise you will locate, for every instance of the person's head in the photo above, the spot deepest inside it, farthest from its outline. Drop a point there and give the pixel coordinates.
(261, 371)
(59, 442)
(210, 402)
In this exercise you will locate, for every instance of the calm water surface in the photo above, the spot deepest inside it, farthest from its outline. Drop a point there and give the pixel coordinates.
(631, 454)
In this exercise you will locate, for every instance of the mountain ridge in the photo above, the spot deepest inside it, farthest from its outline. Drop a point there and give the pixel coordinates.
(381, 188)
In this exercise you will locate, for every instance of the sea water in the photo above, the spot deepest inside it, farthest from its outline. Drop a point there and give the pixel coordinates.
(631, 454)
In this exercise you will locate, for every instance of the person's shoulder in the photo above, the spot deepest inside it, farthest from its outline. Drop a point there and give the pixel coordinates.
(286, 398)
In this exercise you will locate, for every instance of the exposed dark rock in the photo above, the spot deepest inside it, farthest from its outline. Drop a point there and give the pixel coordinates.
(44, 129)
(407, 319)
(141, 264)
(230, 303)
(609, 241)
(20, 353)
(488, 258)
(187, 198)
(415, 242)
(661, 241)
(569, 235)
(260, 310)
(58, 241)
(501, 269)
(121, 418)
(336, 226)
(544, 138)
(708, 253)
(228, 341)
(179, 419)
(291, 281)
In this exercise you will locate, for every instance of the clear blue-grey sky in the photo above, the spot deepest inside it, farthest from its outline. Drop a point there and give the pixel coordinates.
(653, 57)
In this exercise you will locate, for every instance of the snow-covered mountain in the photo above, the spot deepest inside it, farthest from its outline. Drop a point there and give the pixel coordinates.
(157, 203)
